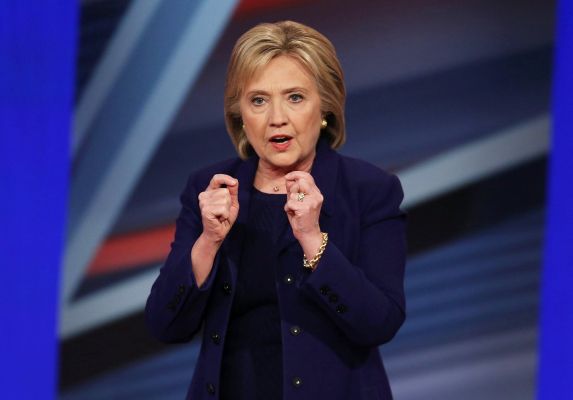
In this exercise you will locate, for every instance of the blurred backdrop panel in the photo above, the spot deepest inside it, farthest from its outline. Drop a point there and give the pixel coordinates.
(451, 96)
(37, 63)
(556, 344)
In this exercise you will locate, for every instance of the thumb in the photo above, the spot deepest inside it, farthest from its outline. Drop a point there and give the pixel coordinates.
(289, 184)
(234, 192)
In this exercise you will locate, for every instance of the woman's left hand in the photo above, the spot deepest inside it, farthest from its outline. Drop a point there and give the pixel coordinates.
(303, 205)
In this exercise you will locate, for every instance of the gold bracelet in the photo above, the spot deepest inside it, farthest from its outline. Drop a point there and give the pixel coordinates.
(311, 264)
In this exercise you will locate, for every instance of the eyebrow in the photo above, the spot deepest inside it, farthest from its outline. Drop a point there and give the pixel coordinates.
(285, 91)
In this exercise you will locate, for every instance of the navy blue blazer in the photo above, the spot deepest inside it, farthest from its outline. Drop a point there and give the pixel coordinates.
(348, 306)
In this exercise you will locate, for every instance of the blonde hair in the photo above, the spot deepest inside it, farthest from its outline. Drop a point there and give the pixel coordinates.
(257, 47)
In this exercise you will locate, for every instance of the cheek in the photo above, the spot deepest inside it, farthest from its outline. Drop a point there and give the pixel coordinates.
(252, 123)
(251, 138)
(254, 132)
(254, 119)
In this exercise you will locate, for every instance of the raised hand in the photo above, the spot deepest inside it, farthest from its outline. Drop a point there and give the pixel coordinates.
(304, 202)
(219, 207)
(219, 210)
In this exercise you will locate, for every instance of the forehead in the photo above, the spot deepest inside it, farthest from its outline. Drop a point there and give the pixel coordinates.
(282, 71)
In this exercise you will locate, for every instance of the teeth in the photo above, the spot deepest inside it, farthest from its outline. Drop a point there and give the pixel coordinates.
(280, 139)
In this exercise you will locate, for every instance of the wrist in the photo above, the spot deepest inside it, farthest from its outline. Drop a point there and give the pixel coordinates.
(311, 259)
(310, 242)
(209, 243)
(204, 249)
(203, 254)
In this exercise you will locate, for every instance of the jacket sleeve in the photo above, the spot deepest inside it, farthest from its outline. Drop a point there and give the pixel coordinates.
(366, 299)
(176, 305)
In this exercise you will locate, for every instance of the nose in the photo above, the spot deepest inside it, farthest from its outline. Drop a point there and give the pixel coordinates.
(277, 117)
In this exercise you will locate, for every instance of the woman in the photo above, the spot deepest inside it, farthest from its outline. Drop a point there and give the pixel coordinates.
(292, 256)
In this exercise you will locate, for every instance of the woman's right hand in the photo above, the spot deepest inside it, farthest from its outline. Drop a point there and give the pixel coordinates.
(219, 210)
(219, 207)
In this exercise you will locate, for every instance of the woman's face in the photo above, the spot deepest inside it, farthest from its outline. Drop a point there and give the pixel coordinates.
(280, 108)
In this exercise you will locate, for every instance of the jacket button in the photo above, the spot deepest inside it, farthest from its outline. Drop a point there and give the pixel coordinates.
(181, 289)
(288, 279)
(341, 308)
(295, 330)
(333, 298)
(296, 382)
(227, 288)
(210, 388)
(324, 290)
(216, 338)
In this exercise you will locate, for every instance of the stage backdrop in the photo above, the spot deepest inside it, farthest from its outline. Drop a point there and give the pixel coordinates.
(452, 96)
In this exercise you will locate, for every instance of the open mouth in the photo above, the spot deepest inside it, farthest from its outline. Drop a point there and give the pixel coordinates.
(280, 139)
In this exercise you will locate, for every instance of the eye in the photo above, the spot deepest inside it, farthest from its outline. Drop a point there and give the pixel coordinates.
(295, 97)
(257, 101)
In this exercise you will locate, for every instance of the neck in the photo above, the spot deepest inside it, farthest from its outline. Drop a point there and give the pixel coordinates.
(269, 177)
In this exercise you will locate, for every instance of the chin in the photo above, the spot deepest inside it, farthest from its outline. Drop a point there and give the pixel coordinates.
(282, 160)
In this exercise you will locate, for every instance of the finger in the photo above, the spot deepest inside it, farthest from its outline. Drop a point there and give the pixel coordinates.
(294, 188)
(221, 179)
(294, 198)
(291, 207)
(216, 196)
(295, 204)
(220, 212)
(222, 196)
(304, 180)
(310, 192)
(305, 186)
(234, 192)
(296, 175)
(289, 185)
(213, 199)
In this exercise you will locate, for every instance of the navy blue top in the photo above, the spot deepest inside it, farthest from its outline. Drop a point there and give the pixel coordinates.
(362, 264)
(252, 358)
